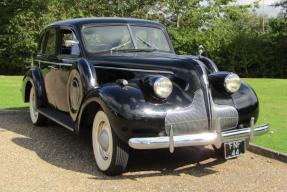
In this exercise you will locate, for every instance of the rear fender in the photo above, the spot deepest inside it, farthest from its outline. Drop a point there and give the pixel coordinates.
(34, 78)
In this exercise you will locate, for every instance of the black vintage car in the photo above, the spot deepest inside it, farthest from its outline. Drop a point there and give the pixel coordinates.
(120, 80)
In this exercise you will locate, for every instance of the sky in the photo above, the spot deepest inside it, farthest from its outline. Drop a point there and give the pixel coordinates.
(266, 2)
(265, 7)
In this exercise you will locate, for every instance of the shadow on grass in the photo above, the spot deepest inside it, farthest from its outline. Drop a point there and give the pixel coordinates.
(63, 149)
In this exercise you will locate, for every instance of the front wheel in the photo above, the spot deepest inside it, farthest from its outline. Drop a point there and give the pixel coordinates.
(110, 152)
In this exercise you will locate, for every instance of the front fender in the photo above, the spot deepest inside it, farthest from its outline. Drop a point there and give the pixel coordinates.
(244, 100)
(34, 78)
(128, 111)
(247, 104)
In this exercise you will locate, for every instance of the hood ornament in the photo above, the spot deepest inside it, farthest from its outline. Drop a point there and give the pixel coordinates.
(200, 50)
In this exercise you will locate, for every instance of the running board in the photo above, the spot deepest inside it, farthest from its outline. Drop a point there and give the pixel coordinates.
(59, 117)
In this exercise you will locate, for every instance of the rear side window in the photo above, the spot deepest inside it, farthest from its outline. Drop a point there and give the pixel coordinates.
(41, 43)
(51, 37)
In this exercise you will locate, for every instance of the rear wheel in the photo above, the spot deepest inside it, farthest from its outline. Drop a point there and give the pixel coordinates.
(36, 117)
(110, 152)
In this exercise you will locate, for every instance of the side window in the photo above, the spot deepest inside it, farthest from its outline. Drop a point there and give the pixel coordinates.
(41, 44)
(50, 48)
(71, 49)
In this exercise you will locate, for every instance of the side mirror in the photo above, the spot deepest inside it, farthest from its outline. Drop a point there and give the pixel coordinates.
(200, 50)
(70, 43)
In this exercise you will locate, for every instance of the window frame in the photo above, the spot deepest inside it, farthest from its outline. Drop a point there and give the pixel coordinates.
(41, 43)
(46, 36)
(59, 43)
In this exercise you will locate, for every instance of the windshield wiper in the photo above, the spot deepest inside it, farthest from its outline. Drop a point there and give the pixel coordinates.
(139, 50)
(128, 50)
(153, 47)
(147, 43)
(119, 46)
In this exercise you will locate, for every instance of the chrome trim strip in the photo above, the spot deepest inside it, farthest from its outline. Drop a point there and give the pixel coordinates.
(54, 63)
(132, 69)
(206, 93)
(195, 139)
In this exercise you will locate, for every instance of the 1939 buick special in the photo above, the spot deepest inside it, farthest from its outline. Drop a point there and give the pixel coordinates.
(120, 80)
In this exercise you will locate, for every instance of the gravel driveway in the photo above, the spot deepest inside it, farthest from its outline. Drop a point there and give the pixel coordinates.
(52, 158)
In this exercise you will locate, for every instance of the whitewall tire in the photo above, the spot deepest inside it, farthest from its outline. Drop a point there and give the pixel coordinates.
(35, 116)
(111, 154)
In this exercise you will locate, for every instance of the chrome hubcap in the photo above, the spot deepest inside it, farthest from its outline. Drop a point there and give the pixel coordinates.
(75, 94)
(102, 141)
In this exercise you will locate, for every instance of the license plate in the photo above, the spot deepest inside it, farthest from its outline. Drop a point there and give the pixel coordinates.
(234, 149)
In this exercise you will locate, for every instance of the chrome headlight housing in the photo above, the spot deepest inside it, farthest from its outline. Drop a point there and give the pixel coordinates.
(162, 87)
(232, 83)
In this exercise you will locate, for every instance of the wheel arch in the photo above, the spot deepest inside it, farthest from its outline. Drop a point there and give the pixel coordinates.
(34, 78)
(27, 90)
(97, 100)
(86, 117)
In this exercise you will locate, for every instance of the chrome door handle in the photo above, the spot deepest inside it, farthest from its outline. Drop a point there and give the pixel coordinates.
(52, 67)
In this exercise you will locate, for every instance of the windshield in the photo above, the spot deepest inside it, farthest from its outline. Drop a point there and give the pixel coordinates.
(110, 38)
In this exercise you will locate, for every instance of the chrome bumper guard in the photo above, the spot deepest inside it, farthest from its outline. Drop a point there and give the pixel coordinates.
(210, 138)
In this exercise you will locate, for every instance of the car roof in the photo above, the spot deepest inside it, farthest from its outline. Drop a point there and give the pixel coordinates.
(92, 20)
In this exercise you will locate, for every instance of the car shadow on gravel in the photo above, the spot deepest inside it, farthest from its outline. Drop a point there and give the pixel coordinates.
(59, 147)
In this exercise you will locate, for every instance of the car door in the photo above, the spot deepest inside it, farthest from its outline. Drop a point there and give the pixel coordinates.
(47, 61)
(67, 55)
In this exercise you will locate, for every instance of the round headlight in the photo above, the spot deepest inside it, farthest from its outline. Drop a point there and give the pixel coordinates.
(232, 83)
(162, 87)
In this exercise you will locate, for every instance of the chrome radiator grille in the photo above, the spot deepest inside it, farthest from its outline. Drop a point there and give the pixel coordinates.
(193, 119)
(224, 117)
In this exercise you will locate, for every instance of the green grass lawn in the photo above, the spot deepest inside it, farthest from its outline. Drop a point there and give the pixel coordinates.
(272, 95)
(10, 92)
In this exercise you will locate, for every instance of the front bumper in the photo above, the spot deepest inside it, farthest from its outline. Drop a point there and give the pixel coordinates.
(210, 138)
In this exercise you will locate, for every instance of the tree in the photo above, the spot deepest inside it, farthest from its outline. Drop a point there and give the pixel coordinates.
(231, 34)
(22, 20)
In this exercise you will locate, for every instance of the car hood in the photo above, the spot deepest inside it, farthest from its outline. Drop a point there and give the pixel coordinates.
(152, 61)
(186, 72)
